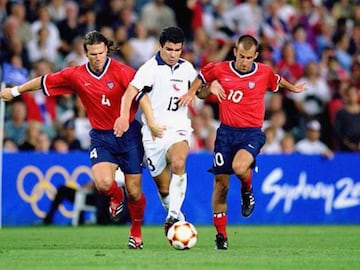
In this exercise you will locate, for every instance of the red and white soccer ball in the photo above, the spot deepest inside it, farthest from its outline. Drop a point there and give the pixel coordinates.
(182, 235)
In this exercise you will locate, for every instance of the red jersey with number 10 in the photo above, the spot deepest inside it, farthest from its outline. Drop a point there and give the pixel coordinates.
(244, 106)
(99, 93)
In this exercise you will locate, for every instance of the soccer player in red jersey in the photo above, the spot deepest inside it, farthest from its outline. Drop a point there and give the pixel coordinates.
(100, 85)
(240, 86)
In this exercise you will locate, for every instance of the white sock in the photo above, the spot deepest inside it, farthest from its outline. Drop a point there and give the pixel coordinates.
(177, 192)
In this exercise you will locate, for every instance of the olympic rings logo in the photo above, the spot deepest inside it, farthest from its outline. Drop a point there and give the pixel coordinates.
(45, 187)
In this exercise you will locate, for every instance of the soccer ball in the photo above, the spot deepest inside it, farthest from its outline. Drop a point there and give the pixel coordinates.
(182, 235)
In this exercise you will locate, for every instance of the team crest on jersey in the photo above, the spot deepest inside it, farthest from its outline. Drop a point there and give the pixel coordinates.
(175, 87)
(110, 85)
(251, 85)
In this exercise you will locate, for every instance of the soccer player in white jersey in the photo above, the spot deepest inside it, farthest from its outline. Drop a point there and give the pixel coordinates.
(158, 84)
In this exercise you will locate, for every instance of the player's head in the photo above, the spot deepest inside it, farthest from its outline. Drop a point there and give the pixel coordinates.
(96, 47)
(171, 44)
(245, 51)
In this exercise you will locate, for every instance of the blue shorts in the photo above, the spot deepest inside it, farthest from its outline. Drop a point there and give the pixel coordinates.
(126, 151)
(229, 141)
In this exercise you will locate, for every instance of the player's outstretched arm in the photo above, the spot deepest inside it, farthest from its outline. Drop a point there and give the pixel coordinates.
(121, 124)
(188, 98)
(8, 93)
(216, 89)
(291, 87)
(156, 129)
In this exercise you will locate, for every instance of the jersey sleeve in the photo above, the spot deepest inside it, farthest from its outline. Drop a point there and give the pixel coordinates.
(274, 80)
(144, 77)
(208, 73)
(58, 83)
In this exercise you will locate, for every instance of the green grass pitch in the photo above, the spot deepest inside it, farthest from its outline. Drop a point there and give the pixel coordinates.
(250, 247)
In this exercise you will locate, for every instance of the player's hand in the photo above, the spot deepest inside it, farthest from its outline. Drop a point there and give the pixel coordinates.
(5, 94)
(301, 87)
(217, 90)
(121, 125)
(186, 99)
(157, 131)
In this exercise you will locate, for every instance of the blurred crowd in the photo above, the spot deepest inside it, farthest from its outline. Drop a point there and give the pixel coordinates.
(312, 41)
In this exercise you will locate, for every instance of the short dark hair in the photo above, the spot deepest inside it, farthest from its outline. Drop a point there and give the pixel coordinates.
(95, 37)
(172, 34)
(248, 41)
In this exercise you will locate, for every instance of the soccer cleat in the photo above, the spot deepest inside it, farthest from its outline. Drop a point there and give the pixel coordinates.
(221, 242)
(247, 202)
(168, 223)
(135, 243)
(115, 210)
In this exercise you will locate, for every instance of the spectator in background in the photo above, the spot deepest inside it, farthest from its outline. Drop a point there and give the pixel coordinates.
(272, 145)
(3, 13)
(347, 122)
(33, 130)
(42, 143)
(14, 72)
(52, 33)
(277, 121)
(311, 104)
(9, 146)
(31, 7)
(108, 15)
(59, 145)
(273, 27)
(342, 42)
(17, 9)
(156, 15)
(311, 144)
(57, 10)
(122, 41)
(127, 18)
(10, 32)
(42, 47)
(77, 54)
(87, 20)
(69, 136)
(287, 12)
(355, 74)
(244, 18)
(304, 53)
(287, 144)
(16, 126)
(143, 46)
(287, 66)
(69, 28)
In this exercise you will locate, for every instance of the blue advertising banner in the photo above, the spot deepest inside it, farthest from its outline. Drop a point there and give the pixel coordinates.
(289, 189)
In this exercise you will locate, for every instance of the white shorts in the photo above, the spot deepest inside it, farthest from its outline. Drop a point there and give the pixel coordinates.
(155, 150)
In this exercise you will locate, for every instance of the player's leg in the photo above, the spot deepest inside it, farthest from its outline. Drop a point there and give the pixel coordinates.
(177, 155)
(251, 142)
(242, 168)
(219, 206)
(136, 205)
(104, 178)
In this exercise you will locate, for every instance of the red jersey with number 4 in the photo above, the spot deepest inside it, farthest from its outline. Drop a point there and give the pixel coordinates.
(244, 106)
(99, 93)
